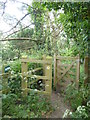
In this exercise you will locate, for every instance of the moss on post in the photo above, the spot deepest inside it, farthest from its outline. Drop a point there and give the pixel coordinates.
(24, 77)
(48, 73)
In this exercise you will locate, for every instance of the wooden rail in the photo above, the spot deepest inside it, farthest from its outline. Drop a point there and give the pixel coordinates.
(34, 70)
(39, 77)
(3, 74)
(36, 61)
(30, 71)
(38, 91)
(64, 58)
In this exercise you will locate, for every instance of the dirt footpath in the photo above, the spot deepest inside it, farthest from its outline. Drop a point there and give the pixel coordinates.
(59, 104)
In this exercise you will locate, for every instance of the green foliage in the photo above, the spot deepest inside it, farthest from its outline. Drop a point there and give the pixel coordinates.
(75, 22)
(72, 39)
(74, 25)
(82, 112)
(16, 66)
(32, 106)
(15, 84)
(37, 14)
(78, 98)
(74, 31)
(74, 97)
(8, 52)
(28, 33)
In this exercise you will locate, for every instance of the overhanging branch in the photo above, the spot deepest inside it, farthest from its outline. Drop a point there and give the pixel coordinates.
(18, 30)
(11, 39)
(17, 22)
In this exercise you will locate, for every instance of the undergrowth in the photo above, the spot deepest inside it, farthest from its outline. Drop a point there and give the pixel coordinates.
(79, 99)
(14, 105)
(32, 106)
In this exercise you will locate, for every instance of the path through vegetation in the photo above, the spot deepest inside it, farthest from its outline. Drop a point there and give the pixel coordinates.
(59, 104)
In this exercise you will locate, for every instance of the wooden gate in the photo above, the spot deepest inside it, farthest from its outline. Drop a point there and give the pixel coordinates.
(47, 75)
(66, 71)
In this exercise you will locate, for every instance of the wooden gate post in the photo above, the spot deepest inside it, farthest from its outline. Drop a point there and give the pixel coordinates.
(24, 68)
(78, 71)
(48, 73)
(55, 70)
(44, 58)
(86, 69)
(86, 60)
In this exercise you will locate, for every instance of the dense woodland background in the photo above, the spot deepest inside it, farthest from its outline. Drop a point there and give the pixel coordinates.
(60, 28)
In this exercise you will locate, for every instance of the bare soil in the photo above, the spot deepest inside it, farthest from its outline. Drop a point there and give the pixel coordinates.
(59, 104)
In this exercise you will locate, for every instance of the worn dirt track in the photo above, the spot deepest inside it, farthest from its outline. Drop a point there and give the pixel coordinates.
(59, 104)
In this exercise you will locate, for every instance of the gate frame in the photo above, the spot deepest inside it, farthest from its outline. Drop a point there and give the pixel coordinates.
(47, 67)
(77, 59)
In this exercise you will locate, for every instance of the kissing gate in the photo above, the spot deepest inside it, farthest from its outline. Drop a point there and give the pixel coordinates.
(66, 71)
(47, 78)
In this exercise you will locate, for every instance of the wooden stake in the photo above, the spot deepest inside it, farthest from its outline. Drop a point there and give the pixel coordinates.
(78, 71)
(48, 73)
(24, 79)
(55, 74)
(44, 58)
(86, 69)
(86, 65)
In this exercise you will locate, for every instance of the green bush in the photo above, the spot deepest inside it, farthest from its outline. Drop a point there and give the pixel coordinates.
(32, 106)
(15, 84)
(79, 99)
(16, 66)
(81, 112)
(76, 96)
